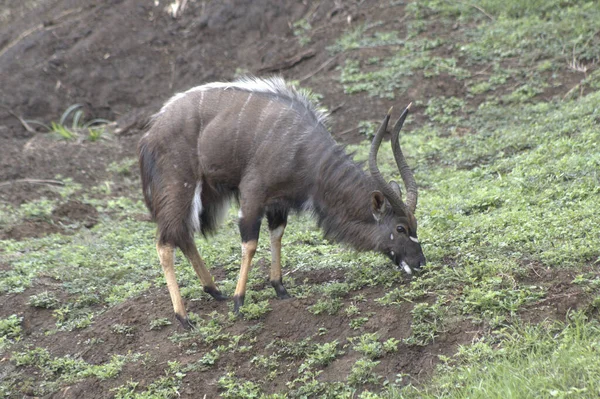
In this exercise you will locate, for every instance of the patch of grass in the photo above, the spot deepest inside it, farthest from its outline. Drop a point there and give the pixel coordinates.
(321, 356)
(157, 324)
(10, 330)
(548, 360)
(359, 38)
(44, 299)
(253, 311)
(122, 329)
(444, 110)
(234, 387)
(300, 29)
(369, 345)
(93, 130)
(327, 305)
(122, 167)
(362, 373)
(68, 370)
(427, 323)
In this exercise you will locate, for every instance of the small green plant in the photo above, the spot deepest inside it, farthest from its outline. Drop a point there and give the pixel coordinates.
(328, 305)
(300, 30)
(122, 167)
(209, 359)
(444, 110)
(10, 330)
(368, 344)
(362, 372)
(94, 129)
(39, 209)
(157, 324)
(253, 311)
(44, 299)
(321, 356)
(233, 387)
(123, 329)
(292, 349)
(367, 129)
(426, 324)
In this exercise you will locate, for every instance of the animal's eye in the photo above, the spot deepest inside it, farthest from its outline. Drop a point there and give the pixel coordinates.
(400, 229)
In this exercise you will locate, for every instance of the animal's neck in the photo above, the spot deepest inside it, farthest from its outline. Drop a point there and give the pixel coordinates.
(343, 202)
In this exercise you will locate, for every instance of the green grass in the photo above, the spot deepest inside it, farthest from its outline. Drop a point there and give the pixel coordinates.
(545, 361)
(92, 130)
(509, 184)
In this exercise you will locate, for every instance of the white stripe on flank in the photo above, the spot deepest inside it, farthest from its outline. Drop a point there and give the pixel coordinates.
(196, 208)
(266, 141)
(200, 111)
(239, 126)
(258, 127)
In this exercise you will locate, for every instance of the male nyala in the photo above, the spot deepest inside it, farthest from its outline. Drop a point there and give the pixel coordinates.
(263, 143)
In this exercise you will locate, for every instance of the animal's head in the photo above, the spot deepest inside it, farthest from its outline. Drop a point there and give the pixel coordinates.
(398, 226)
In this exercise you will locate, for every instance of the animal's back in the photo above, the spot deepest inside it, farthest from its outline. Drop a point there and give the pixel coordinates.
(256, 135)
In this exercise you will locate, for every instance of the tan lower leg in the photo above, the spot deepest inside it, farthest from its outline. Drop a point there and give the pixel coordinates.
(199, 267)
(276, 235)
(248, 251)
(166, 255)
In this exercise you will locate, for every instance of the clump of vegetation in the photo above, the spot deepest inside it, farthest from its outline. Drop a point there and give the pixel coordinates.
(44, 299)
(10, 330)
(78, 128)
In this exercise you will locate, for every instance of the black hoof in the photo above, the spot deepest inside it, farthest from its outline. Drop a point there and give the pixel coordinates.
(238, 302)
(280, 289)
(185, 322)
(215, 293)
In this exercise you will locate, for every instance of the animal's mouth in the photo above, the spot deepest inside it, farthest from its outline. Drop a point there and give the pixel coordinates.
(408, 269)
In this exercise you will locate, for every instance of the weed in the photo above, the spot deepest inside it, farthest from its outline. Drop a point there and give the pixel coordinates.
(329, 306)
(300, 29)
(368, 345)
(253, 311)
(122, 329)
(39, 209)
(233, 387)
(94, 128)
(444, 110)
(67, 369)
(44, 299)
(291, 349)
(426, 324)
(358, 322)
(122, 167)
(10, 330)
(157, 324)
(321, 356)
(362, 372)
(554, 358)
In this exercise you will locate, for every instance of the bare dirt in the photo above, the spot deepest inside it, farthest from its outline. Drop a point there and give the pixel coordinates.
(121, 59)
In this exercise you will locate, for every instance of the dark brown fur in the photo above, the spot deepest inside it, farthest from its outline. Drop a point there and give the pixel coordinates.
(266, 146)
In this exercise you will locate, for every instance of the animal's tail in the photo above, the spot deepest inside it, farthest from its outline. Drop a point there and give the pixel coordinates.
(150, 177)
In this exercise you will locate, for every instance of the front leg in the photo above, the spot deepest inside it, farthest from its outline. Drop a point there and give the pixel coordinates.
(277, 221)
(249, 230)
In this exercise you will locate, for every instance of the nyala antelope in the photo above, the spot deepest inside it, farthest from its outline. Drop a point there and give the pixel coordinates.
(265, 144)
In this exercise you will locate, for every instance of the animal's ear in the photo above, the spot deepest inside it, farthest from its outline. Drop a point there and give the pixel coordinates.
(377, 205)
(396, 188)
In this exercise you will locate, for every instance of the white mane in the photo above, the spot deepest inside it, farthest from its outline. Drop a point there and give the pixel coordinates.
(273, 85)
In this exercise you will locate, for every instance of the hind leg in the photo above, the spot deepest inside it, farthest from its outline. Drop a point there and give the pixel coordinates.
(166, 255)
(191, 253)
(277, 220)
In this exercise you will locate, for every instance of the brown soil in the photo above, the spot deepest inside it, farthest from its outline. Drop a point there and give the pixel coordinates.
(121, 59)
